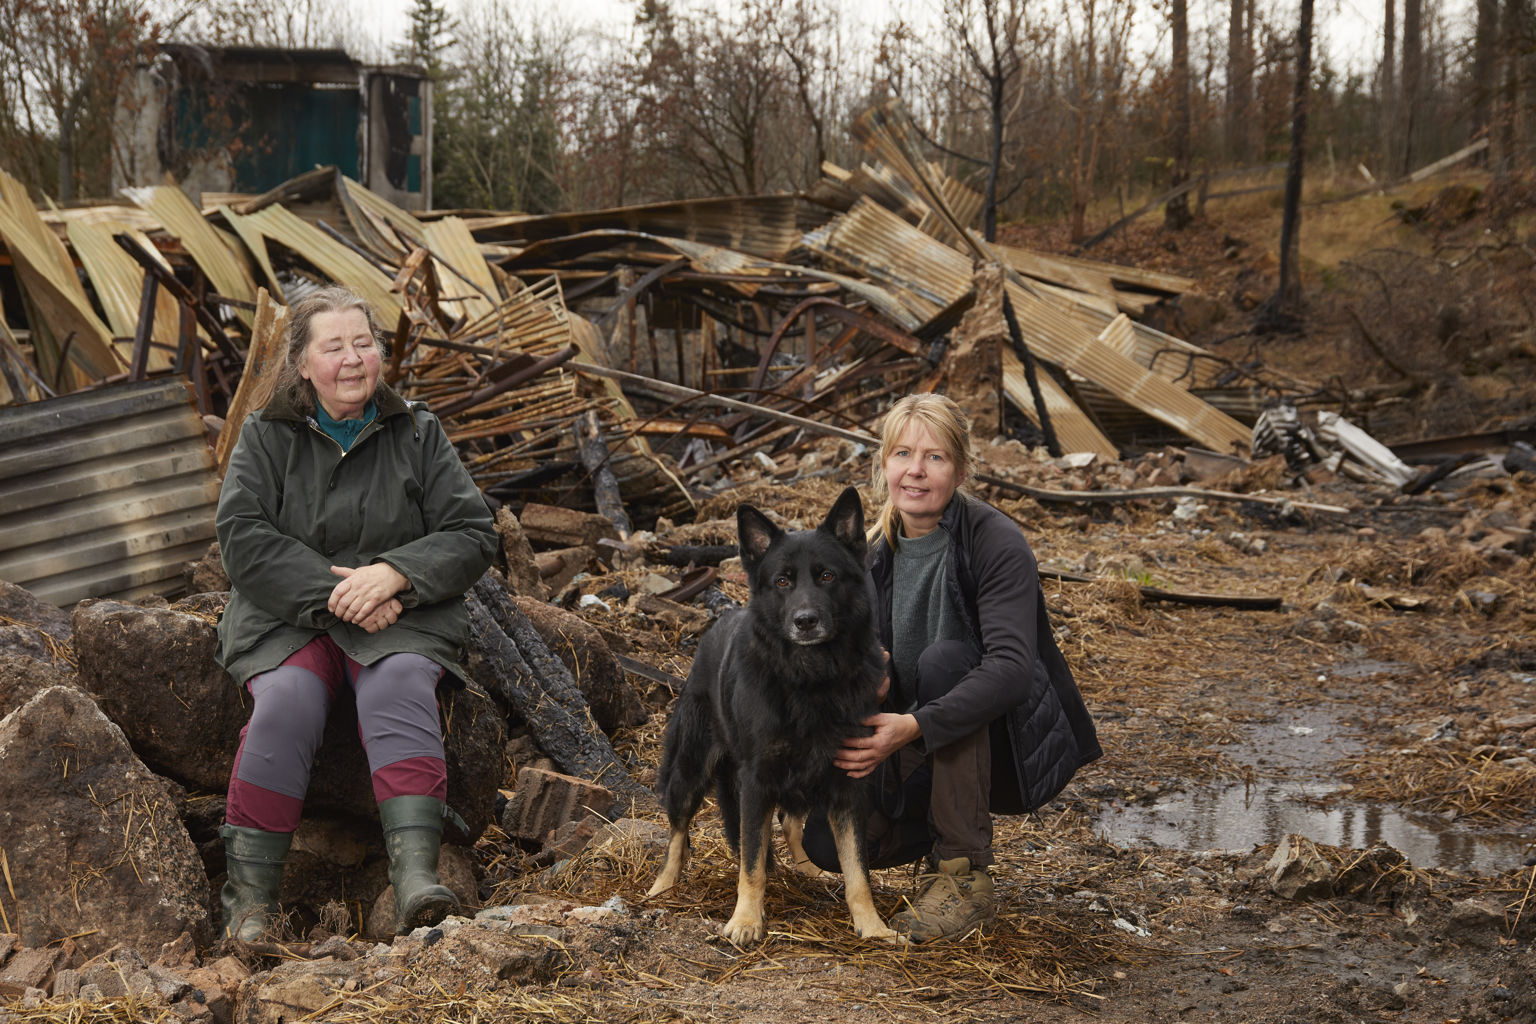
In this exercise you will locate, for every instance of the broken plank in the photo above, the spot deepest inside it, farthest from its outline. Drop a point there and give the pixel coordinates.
(1251, 602)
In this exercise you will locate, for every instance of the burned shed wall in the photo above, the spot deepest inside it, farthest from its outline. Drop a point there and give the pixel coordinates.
(246, 119)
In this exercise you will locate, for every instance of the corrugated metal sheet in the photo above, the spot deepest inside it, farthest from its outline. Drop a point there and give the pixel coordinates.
(923, 271)
(767, 226)
(104, 493)
(176, 212)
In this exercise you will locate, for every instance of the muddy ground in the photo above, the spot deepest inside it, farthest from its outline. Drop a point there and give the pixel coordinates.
(1428, 720)
(1384, 710)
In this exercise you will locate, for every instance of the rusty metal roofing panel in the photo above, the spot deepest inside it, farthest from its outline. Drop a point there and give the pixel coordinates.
(105, 493)
(182, 218)
(766, 226)
(924, 271)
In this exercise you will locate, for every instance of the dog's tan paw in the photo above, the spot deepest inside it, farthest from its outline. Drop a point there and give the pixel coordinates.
(744, 931)
(659, 886)
(880, 930)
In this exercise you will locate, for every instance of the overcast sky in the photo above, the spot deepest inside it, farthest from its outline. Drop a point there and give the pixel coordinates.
(1349, 30)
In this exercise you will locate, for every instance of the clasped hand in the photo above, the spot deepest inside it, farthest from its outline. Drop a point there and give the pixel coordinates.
(366, 595)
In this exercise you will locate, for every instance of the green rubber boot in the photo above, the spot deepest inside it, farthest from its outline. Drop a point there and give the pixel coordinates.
(255, 860)
(413, 834)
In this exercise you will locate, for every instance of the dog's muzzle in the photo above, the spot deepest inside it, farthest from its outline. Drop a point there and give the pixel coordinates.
(808, 629)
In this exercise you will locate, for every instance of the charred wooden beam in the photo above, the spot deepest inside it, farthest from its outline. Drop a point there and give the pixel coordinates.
(540, 689)
(605, 486)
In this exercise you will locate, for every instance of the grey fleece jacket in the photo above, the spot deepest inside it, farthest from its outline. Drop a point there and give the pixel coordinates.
(1022, 677)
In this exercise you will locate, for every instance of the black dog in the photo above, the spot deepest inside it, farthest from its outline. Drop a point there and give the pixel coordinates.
(774, 690)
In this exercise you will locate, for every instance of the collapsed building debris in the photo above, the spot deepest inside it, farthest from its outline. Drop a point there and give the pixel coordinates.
(630, 361)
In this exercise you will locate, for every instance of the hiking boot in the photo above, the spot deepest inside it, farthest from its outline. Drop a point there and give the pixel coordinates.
(413, 832)
(950, 902)
(255, 863)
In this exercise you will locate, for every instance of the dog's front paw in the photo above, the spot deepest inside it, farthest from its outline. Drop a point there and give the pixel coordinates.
(744, 929)
(884, 933)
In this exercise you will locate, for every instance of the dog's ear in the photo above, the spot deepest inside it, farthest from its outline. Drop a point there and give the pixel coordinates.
(846, 521)
(755, 532)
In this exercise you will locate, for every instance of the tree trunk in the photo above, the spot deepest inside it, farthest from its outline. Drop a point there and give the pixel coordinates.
(1413, 70)
(1289, 293)
(1509, 98)
(1388, 85)
(1485, 52)
(1239, 83)
(994, 156)
(1176, 213)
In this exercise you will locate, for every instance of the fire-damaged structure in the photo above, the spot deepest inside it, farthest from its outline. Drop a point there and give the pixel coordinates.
(244, 119)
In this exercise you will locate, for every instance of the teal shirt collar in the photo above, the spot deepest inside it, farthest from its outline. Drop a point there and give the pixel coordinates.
(344, 432)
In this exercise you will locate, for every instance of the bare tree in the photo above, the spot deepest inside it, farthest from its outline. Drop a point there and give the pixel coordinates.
(65, 64)
(1386, 85)
(1176, 214)
(1288, 295)
(1485, 49)
(1095, 39)
(1413, 70)
(1239, 79)
(988, 32)
(807, 34)
(717, 102)
(294, 24)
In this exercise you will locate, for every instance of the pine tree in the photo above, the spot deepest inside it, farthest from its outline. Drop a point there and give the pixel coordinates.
(428, 35)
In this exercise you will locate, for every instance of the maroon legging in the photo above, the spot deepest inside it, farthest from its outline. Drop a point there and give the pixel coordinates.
(396, 719)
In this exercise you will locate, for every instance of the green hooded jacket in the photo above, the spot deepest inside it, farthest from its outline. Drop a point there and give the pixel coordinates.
(294, 504)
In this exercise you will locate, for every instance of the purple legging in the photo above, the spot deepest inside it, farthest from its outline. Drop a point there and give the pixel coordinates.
(396, 719)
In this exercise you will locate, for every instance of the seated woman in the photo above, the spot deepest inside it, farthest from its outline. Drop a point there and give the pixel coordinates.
(982, 713)
(350, 531)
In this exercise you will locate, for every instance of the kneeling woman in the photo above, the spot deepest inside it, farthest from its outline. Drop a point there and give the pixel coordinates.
(982, 713)
(350, 531)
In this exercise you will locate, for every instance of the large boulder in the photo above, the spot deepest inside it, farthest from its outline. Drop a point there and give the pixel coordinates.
(152, 671)
(93, 843)
(35, 647)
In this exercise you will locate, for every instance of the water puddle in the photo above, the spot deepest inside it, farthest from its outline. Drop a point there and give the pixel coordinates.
(1297, 748)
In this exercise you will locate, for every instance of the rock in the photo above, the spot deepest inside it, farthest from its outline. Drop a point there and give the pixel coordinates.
(8, 944)
(1477, 921)
(30, 968)
(35, 647)
(152, 671)
(1298, 871)
(219, 982)
(19, 605)
(512, 958)
(66, 983)
(94, 844)
(153, 667)
(336, 946)
(169, 985)
(544, 800)
(568, 840)
(523, 577)
(296, 989)
(116, 980)
(206, 575)
(580, 647)
(628, 835)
